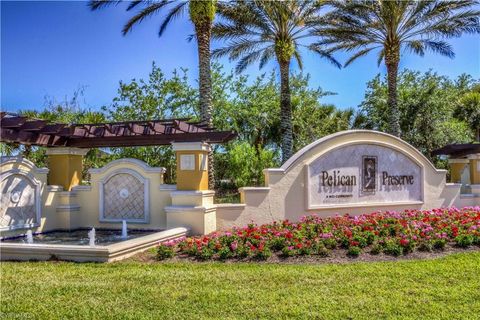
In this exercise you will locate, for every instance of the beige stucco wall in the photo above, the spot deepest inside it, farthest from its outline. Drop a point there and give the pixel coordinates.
(284, 194)
(80, 207)
(89, 197)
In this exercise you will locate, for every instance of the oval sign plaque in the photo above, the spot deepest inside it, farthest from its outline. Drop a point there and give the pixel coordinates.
(363, 174)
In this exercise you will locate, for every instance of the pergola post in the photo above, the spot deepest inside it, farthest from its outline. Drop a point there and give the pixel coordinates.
(66, 165)
(457, 166)
(192, 202)
(474, 168)
(192, 165)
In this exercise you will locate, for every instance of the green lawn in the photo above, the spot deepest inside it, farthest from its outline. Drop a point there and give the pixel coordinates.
(445, 288)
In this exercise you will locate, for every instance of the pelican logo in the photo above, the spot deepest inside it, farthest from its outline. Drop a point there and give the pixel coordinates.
(369, 173)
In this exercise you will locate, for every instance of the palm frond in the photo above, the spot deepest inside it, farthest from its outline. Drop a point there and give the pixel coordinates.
(326, 54)
(134, 4)
(357, 55)
(298, 58)
(145, 13)
(267, 55)
(100, 4)
(247, 60)
(381, 56)
(176, 12)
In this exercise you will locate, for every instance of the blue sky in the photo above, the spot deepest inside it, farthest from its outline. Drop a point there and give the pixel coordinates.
(53, 48)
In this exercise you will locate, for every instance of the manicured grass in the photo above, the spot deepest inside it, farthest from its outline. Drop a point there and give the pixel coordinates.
(444, 288)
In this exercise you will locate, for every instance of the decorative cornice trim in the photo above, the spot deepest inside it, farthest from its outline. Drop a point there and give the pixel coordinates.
(167, 187)
(465, 161)
(190, 146)
(82, 188)
(66, 150)
(138, 163)
(22, 161)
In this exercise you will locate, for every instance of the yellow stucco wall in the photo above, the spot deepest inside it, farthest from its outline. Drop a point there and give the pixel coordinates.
(65, 170)
(79, 208)
(192, 179)
(474, 171)
(456, 169)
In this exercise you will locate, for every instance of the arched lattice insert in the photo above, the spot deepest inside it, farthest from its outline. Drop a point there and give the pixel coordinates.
(124, 196)
(20, 202)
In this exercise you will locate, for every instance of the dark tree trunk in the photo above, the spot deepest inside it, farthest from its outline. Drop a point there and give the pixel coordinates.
(285, 111)
(203, 33)
(391, 61)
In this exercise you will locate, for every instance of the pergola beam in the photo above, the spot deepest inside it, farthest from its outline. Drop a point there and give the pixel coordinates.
(20, 129)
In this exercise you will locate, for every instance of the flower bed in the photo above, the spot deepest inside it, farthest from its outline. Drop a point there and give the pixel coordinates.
(391, 233)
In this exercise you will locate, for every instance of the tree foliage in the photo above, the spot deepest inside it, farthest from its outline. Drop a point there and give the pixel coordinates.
(261, 31)
(392, 27)
(429, 107)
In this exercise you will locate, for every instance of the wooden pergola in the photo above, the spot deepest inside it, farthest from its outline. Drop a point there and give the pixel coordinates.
(15, 128)
(458, 150)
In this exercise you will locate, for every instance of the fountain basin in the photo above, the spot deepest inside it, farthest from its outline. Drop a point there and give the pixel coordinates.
(106, 252)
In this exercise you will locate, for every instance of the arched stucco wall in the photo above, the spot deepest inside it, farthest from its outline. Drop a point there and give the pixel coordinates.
(284, 194)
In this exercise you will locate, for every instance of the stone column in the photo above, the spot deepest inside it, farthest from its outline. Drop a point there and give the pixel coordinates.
(65, 166)
(192, 165)
(192, 203)
(474, 168)
(456, 168)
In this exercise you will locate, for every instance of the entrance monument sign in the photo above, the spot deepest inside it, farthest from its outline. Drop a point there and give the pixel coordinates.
(363, 173)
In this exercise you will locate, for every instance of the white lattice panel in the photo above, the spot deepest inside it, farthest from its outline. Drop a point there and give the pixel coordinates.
(18, 203)
(124, 198)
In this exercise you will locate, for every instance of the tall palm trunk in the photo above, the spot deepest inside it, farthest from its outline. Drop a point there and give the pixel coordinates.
(203, 32)
(286, 111)
(392, 57)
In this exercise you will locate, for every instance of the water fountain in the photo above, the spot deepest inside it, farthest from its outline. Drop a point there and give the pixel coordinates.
(124, 229)
(91, 237)
(29, 237)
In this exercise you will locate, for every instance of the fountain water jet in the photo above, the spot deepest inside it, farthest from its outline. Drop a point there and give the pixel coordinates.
(91, 237)
(29, 237)
(124, 229)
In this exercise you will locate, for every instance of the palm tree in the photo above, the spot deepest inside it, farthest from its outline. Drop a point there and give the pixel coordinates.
(257, 30)
(392, 26)
(201, 14)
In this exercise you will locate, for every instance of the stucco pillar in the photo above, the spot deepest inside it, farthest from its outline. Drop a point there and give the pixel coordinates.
(474, 168)
(192, 203)
(457, 166)
(65, 166)
(192, 165)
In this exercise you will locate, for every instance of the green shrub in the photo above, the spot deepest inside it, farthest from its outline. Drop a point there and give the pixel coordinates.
(476, 240)
(330, 243)
(439, 244)
(164, 252)
(425, 246)
(243, 251)
(277, 243)
(205, 253)
(225, 253)
(392, 248)
(376, 249)
(263, 254)
(305, 251)
(362, 242)
(354, 251)
(322, 251)
(288, 251)
(464, 240)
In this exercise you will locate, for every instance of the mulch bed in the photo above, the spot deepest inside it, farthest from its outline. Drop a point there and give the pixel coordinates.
(337, 256)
